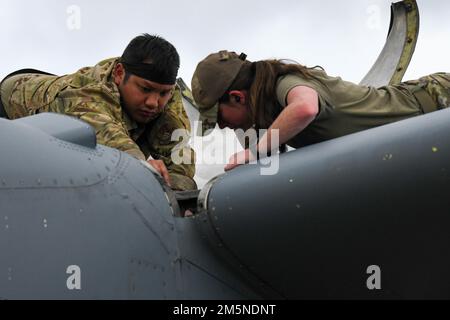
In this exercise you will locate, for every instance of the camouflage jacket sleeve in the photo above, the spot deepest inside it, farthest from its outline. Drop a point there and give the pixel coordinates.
(168, 141)
(109, 131)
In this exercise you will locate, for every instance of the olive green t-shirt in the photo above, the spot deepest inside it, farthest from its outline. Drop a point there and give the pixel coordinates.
(345, 107)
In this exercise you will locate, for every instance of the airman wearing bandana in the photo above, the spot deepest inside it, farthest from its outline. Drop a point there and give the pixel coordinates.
(133, 103)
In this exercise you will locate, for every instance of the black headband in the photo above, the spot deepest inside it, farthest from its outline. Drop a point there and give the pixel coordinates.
(152, 72)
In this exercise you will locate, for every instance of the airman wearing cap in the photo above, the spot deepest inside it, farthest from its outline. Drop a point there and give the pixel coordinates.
(305, 105)
(133, 102)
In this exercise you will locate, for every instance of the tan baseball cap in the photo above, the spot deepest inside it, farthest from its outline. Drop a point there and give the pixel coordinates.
(212, 78)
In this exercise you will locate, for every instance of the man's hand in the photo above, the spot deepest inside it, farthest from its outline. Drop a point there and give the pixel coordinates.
(239, 158)
(161, 168)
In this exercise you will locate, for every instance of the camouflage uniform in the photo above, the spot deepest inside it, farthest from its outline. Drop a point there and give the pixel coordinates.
(438, 87)
(91, 95)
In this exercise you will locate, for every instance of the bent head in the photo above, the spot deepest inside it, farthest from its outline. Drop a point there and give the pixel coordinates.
(142, 99)
(146, 76)
(219, 95)
(237, 93)
(234, 110)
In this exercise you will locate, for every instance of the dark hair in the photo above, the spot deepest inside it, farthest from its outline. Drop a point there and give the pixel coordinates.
(151, 49)
(260, 79)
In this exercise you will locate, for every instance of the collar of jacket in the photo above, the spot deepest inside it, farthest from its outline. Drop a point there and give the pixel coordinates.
(129, 123)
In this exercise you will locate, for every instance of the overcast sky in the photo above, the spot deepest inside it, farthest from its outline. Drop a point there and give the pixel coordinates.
(345, 37)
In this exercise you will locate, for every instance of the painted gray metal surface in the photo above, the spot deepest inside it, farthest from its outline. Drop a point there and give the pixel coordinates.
(64, 128)
(65, 205)
(378, 197)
